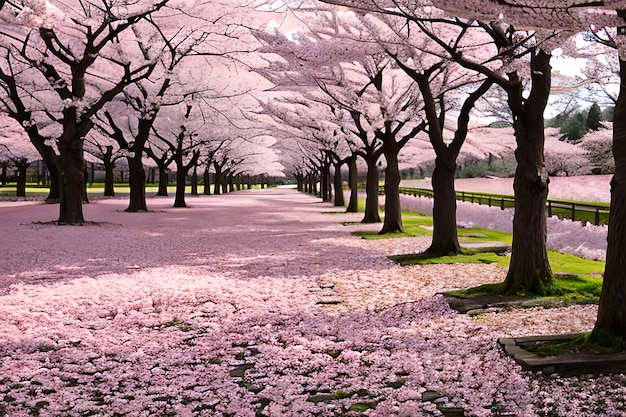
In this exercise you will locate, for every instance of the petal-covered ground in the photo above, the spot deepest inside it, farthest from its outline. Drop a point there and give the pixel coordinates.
(256, 303)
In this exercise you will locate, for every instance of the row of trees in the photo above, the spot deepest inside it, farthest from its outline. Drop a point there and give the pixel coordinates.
(357, 84)
(127, 80)
(345, 58)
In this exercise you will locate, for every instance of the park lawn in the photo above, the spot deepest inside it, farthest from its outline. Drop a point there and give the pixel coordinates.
(575, 279)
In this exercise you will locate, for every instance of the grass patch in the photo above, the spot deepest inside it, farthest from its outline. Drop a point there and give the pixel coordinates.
(579, 343)
(412, 223)
(466, 257)
(572, 288)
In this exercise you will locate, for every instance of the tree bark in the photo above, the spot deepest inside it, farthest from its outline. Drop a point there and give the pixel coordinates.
(445, 236)
(72, 175)
(529, 270)
(338, 185)
(181, 179)
(109, 166)
(3, 173)
(372, 214)
(353, 202)
(22, 167)
(163, 180)
(137, 173)
(611, 319)
(393, 212)
(194, 181)
(137, 182)
(207, 181)
(325, 184)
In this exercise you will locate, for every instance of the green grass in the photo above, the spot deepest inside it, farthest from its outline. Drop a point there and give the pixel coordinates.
(576, 279)
(466, 257)
(571, 288)
(412, 224)
(579, 343)
(96, 189)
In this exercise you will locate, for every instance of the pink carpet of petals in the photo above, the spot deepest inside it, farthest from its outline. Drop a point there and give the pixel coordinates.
(256, 303)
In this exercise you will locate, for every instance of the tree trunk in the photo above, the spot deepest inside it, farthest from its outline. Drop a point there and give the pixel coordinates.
(353, 202)
(231, 183)
(163, 180)
(109, 166)
(445, 236)
(22, 167)
(324, 186)
(137, 181)
(393, 211)
(529, 270)
(137, 173)
(611, 320)
(72, 175)
(338, 185)
(194, 181)
(181, 179)
(207, 181)
(109, 186)
(217, 187)
(3, 173)
(372, 214)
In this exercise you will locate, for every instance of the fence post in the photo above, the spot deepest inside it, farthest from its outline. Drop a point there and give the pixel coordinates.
(573, 212)
(597, 222)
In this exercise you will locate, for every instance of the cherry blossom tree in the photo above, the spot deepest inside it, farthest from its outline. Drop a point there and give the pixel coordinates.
(83, 55)
(14, 103)
(108, 152)
(438, 80)
(357, 76)
(16, 151)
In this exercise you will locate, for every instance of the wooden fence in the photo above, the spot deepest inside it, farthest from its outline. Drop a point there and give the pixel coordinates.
(584, 212)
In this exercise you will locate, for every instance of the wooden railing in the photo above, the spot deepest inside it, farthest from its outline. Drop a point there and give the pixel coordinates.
(585, 212)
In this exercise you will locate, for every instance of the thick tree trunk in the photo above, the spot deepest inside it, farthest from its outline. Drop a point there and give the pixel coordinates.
(445, 236)
(217, 188)
(338, 185)
(372, 214)
(109, 186)
(72, 175)
(393, 212)
(529, 270)
(181, 179)
(22, 168)
(325, 184)
(137, 181)
(137, 173)
(207, 181)
(353, 202)
(231, 183)
(163, 181)
(194, 181)
(3, 173)
(611, 320)
(109, 166)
